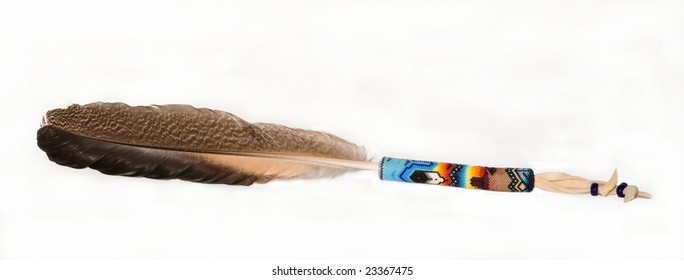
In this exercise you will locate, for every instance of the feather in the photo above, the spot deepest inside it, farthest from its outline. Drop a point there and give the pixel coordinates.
(193, 144)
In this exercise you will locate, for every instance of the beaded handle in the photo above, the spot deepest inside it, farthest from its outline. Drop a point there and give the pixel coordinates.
(457, 175)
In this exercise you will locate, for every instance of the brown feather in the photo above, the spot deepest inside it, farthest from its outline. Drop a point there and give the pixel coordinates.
(187, 143)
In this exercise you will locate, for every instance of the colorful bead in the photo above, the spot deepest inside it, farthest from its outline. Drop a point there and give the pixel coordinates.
(457, 175)
(594, 189)
(621, 189)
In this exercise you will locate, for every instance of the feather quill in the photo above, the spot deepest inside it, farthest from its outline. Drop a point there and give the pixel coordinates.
(193, 144)
(209, 146)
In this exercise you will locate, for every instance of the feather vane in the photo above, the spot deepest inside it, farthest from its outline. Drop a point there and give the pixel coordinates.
(193, 144)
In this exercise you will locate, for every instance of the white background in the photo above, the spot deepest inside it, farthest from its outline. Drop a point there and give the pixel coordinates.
(575, 86)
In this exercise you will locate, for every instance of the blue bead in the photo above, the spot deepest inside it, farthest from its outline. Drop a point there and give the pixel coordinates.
(621, 189)
(594, 189)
